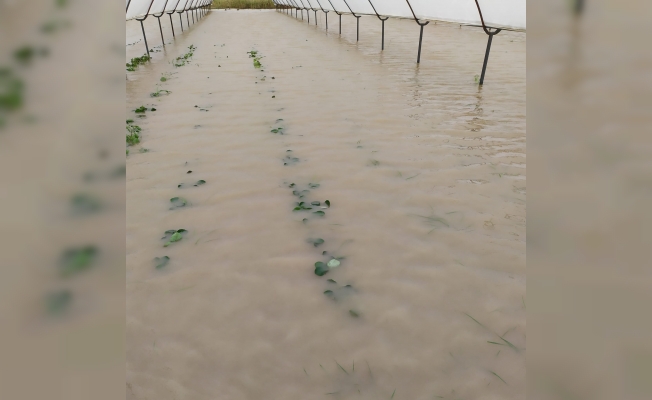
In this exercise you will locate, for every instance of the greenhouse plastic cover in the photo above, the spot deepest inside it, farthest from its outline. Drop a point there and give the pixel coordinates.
(141, 8)
(508, 14)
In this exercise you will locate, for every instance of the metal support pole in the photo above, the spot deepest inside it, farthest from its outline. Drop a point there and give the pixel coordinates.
(315, 17)
(160, 29)
(357, 28)
(188, 19)
(486, 54)
(172, 26)
(181, 21)
(420, 38)
(193, 16)
(308, 13)
(382, 42)
(340, 23)
(326, 21)
(144, 37)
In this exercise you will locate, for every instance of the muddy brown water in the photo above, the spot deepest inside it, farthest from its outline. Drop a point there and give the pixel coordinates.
(425, 173)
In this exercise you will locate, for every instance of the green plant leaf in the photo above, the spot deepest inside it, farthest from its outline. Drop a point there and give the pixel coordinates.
(331, 281)
(161, 261)
(178, 202)
(316, 242)
(315, 203)
(319, 213)
(320, 268)
(199, 182)
(334, 263)
(354, 313)
(77, 260)
(328, 203)
(58, 302)
(329, 293)
(176, 236)
(314, 185)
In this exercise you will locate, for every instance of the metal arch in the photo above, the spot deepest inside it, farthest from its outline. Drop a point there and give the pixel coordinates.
(179, 12)
(128, 3)
(421, 33)
(382, 43)
(158, 17)
(314, 10)
(143, 26)
(491, 35)
(357, 22)
(296, 8)
(325, 12)
(170, 15)
(338, 13)
(304, 8)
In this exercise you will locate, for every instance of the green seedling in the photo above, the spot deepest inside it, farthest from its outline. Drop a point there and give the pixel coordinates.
(334, 263)
(498, 376)
(289, 160)
(338, 293)
(319, 213)
(342, 368)
(301, 206)
(11, 91)
(135, 62)
(172, 236)
(321, 269)
(316, 242)
(161, 262)
(159, 93)
(178, 202)
(83, 204)
(77, 260)
(133, 136)
(185, 59)
(58, 302)
(355, 314)
(140, 110)
(200, 182)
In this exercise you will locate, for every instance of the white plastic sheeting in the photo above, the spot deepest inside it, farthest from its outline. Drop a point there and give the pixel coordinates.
(509, 14)
(141, 8)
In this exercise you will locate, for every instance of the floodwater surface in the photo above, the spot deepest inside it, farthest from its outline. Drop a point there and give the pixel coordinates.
(424, 172)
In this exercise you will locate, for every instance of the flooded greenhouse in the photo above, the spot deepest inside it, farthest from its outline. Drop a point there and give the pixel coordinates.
(312, 214)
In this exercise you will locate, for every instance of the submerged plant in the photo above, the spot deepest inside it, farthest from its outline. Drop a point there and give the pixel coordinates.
(159, 92)
(178, 202)
(133, 136)
(76, 260)
(135, 62)
(184, 59)
(161, 262)
(172, 236)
